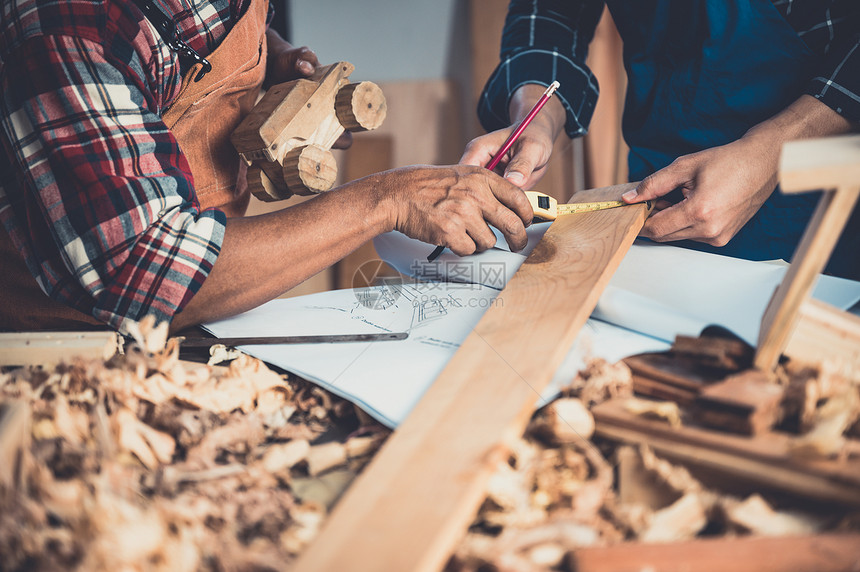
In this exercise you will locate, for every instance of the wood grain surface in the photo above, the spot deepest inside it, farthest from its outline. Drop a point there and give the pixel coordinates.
(415, 500)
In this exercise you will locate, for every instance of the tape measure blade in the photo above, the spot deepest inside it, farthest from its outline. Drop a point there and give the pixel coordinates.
(573, 208)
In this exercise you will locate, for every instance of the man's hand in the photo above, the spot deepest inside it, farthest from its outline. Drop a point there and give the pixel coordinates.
(528, 158)
(285, 62)
(452, 206)
(723, 188)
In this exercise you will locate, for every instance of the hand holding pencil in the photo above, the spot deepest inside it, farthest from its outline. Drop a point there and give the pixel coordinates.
(531, 158)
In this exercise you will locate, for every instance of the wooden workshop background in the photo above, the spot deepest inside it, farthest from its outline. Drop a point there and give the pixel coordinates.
(431, 120)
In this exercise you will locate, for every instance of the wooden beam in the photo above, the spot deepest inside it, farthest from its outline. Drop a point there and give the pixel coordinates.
(764, 462)
(747, 403)
(415, 500)
(15, 418)
(824, 333)
(826, 163)
(46, 348)
(819, 553)
(832, 164)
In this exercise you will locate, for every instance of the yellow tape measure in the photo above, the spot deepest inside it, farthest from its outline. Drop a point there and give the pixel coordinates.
(547, 208)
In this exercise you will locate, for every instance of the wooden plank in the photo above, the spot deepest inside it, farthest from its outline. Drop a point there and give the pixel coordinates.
(746, 403)
(831, 163)
(414, 501)
(835, 552)
(825, 333)
(46, 348)
(822, 233)
(15, 418)
(825, 163)
(677, 371)
(764, 462)
(726, 354)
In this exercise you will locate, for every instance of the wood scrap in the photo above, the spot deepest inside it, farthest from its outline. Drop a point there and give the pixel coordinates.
(682, 520)
(640, 486)
(764, 462)
(832, 419)
(14, 439)
(323, 457)
(566, 419)
(665, 410)
(599, 381)
(755, 515)
(49, 348)
(720, 353)
(552, 501)
(819, 553)
(663, 375)
(746, 403)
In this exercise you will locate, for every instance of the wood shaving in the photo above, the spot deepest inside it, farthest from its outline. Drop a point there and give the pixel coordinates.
(756, 516)
(667, 410)
(565, 419)
(558, 493)
(324, 457)
(601, 380)
(147, 462)
(681, 520)
(831, 420)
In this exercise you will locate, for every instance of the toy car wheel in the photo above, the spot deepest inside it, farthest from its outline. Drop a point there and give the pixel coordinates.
(360, 106)
(309, 170)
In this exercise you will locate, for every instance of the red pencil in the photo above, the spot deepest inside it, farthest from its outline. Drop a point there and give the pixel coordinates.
(508, 142)
(523, 124)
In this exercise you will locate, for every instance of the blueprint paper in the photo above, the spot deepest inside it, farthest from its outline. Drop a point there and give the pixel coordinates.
(388, 378)
(658, 292)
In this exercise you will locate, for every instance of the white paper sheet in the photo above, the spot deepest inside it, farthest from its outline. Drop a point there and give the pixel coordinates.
(657, 293)
(388, 378)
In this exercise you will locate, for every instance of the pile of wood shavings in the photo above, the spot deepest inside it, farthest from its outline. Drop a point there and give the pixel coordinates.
(561, 490)
(145, 462)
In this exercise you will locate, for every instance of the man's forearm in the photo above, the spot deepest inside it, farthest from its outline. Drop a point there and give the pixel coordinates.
(263, 256)
(805, 118)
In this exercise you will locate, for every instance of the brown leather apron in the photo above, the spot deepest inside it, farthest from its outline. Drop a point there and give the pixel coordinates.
(201, 118)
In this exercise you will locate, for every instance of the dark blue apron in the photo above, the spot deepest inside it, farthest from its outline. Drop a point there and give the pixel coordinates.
(701, 73)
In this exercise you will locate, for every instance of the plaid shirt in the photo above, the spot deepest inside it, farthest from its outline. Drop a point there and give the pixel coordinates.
(94, 190)
(535, 30)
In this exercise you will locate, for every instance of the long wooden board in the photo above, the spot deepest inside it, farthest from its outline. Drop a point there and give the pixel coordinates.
(764, 462)
(46, 348)
(832, 164)
(415, 500)
(820, 553)
(15, 419)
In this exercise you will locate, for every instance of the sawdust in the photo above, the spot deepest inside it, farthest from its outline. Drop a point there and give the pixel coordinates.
(561, 491)
(145, 462)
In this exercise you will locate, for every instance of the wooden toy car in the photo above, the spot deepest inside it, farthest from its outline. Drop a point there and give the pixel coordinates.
(287, 137)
